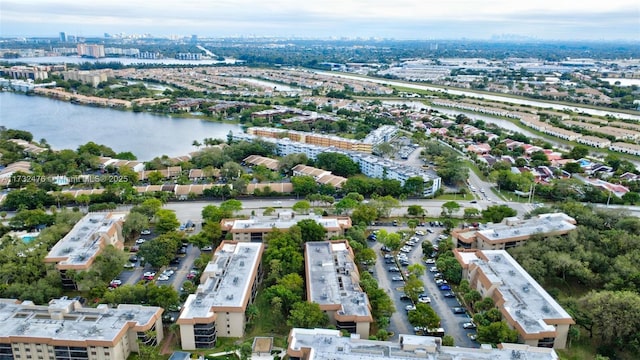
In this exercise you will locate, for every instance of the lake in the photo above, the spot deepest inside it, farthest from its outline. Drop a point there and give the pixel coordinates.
(66, 126)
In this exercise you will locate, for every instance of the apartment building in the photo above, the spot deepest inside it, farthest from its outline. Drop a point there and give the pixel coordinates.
(618, 133)
(539, 320)
(512, 231)
(227, 286)
(626, 148)
(321, 176)
(91, 50)
(256, 228)
(333, 282)
(81, 246)
(65, 330)
(27, 72)
(269, 163)
(89, 77)
(313, 139)
(326, 344)
(594, 141)
(370, 165)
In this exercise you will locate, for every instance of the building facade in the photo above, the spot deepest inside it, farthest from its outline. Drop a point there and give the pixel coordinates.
(228, 285)
(256, 228)
(526, 307)
(512, 231)
(65, 330)
(81, 246)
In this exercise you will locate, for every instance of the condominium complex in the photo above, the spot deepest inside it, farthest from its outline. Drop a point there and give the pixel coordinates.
(512, 232)
(89, 77)
(91, 50)
(227, 286)
(370, 165)
(256, 228)
(321, 176)
(312, 139)
(333, 282)
(539, 320)
(325, 344)
(80, 247)
(65, 330)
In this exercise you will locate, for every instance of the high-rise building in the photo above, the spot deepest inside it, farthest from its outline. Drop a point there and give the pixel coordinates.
(91, 50)
(63, 36)
(194, 39)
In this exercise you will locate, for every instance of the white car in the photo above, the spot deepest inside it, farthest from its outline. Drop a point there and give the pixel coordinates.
(163, 278)
(207, 248)
(146, 232)
(433, 269)
(140, 241)
(430, 261)
(424, 299)
(410, 308)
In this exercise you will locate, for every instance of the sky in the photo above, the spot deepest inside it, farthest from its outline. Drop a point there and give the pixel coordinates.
(399, 19)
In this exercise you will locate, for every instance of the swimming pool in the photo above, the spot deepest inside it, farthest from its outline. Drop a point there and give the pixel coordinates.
(28, 238)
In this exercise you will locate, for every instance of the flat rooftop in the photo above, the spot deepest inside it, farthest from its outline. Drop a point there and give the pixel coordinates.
(329, 345)
(283, 221)
(524, 299)
(332, 278)
(226, 281)
(84, 241)
(544, 224)
(66, 320)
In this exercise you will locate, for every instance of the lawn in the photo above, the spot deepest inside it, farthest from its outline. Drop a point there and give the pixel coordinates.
(267, 322)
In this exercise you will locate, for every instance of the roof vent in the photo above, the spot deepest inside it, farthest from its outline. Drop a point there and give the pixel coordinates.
(235, 280)
(230, 297)
(525, 288)
(241, 263)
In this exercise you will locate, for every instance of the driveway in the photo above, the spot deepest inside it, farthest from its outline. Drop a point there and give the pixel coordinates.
(450, 322)
(398, 323)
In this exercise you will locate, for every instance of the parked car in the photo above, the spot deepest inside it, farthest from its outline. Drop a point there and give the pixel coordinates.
(134, 249)
(449, 294)
(459, 310)
(441, 282)
(394, 269)
(115, 283)
(433, 269)
(207, 248)
(469, 325)
(175, 261)
(129, 265)
(430, 261)
(163, 278)
(140, 241)
(445, 287)
(424, 299)
(397, 278)
(385, 249)
(133, 258)
(146, 232)
(405, 297)
(410, 307)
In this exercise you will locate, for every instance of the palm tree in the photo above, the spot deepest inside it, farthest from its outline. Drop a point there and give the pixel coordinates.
(197, 144)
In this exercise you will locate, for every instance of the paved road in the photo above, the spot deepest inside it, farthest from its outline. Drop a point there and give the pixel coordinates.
(398, 323)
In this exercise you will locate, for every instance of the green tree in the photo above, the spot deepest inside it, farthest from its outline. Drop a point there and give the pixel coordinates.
(231, 206)
(134, 224)
(161, 250)
(301, 207)
(424, 316)
(415, 210)
(307, 315)
(268, 211)
(364, 214)
(304, 185)
(155, 177)
(393, 240)
(496, 213)
(338, 164)
(450, 207)
(448, 340)
(212, 213)
(414, 186)
(311, 230)
(578, 152)
(385, 204)
(606, 309)
(413, 287)
(496, 333)
(471, 213)
(293, 282)
(166, 221)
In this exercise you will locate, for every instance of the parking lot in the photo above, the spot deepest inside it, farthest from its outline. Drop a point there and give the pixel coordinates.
(443, 306)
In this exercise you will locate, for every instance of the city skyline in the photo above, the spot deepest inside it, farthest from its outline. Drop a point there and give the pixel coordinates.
(401, 19)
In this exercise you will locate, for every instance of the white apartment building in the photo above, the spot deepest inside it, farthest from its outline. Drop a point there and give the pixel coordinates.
(65, 330)
(227, 286)
(539, 320)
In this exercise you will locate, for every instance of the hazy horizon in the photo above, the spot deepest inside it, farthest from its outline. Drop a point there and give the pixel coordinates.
(400, 19)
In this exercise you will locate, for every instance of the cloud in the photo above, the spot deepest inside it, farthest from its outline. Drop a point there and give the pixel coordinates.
(398, 18)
